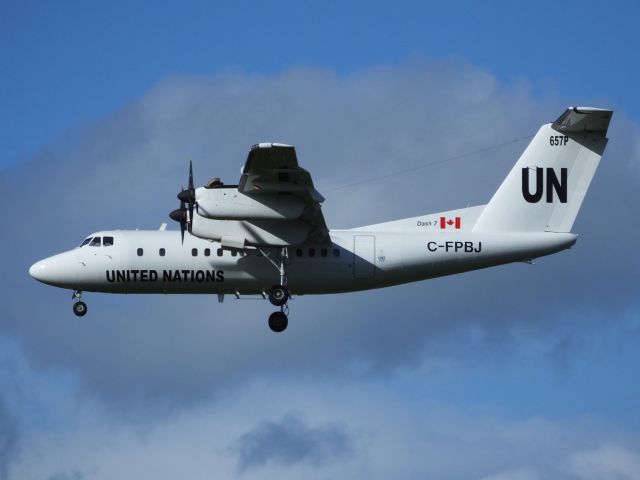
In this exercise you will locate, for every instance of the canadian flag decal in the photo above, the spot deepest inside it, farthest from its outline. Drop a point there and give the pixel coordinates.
(450, 223)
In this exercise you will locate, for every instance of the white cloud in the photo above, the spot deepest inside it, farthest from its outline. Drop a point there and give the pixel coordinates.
(606, 462)
(9, 439)
(525, 473)
(380, 433)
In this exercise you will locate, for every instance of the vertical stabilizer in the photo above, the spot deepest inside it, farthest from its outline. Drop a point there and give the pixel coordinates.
(545, 189)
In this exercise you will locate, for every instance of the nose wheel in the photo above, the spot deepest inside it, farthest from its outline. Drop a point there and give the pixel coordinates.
(79, 308)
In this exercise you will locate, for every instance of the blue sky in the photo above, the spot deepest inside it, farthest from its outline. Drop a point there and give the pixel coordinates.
(71, 62)
(522, 372)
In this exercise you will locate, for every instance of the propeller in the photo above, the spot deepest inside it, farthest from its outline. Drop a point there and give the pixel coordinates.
(188, 197)
(180, 215)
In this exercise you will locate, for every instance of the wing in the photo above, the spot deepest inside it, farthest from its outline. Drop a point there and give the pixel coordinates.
(272, 169)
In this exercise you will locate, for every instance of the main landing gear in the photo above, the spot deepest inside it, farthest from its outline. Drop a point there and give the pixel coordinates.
(79, 308)
(278, 321)
(279, 294)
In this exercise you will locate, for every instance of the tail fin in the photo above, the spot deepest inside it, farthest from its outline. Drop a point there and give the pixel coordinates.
(545, 189)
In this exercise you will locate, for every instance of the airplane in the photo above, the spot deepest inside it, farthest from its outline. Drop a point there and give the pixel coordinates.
(267, 235)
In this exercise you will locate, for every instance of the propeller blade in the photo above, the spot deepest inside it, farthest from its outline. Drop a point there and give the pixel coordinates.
(192, 196)
(188, 196)
(183, 219)
(184, 196)
(180, 214)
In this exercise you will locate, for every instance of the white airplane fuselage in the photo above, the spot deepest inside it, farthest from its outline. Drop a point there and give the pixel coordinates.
(357, 259)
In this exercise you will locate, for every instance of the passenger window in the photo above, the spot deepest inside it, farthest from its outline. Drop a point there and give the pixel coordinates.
(161, 252)
(107, 241)
(336, 252)
(95, 242)
(219, 252)
(312, 252)
(194, 252)
(207, 252)
(298, 252)
(323, 252)
(86, 240)
(140, 252)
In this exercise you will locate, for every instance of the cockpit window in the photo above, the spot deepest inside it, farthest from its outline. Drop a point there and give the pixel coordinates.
(95, 242)
(107, 241)
(86, 240)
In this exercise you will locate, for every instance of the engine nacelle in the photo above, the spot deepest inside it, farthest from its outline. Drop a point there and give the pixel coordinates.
(229, 204)
(241, 233)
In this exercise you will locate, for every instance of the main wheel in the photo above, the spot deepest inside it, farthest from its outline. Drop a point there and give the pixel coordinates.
(278, 295)
(80, 309)
(278, 321)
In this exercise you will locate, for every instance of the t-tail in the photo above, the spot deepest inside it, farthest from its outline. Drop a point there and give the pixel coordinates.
(545, 189)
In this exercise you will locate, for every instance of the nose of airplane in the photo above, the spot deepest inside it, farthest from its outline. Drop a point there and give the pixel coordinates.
(58, 270)
(39, 271)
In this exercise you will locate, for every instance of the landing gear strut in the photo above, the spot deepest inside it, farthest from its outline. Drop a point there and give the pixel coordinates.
(79, 308)
(279, 294)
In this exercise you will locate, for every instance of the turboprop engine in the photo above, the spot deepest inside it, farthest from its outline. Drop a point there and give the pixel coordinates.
(221, 213)
(227, 203)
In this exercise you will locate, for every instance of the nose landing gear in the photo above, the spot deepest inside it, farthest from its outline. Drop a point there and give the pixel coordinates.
(79, 308)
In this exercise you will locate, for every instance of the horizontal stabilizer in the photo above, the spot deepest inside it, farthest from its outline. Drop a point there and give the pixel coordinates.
(583, 119)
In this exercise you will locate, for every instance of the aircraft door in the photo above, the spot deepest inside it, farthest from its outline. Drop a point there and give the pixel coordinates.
(364, 251)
